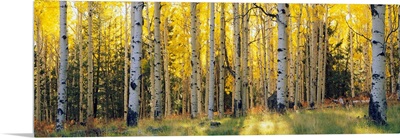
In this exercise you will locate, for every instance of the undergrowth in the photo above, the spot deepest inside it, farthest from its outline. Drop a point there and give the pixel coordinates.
(320, 121)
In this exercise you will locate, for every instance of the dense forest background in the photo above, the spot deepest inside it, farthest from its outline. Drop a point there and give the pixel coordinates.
(329, 50)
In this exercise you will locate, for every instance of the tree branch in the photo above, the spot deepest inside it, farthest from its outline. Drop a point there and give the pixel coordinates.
(357, 32)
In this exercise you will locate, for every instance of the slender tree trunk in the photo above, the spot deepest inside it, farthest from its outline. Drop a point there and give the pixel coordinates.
(81, 88)
(157, 62)
(326, 38)
(320, 57)
(135, 69)
(377, 103)
(298, 57)
(212, 64)
(39, 48)
(351, 57)
(62, 88)
(313, 58)
(236, 36)
(199, 74)
(166, 72)
(126, 65)
(283, 12)
(221, 63)
(194, 64)
(245, 66)
(90, 108)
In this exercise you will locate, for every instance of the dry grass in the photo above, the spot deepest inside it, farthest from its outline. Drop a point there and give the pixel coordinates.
(257, 122)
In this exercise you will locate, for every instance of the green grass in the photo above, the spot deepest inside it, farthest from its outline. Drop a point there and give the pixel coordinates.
(320, 121)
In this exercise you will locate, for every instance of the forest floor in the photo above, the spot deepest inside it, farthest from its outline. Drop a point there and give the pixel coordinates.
(337, 120)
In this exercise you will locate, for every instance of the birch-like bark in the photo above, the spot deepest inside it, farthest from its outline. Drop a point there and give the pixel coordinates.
(126, 65)
(157, 62)
(38, 70)
(90, 108)
(313, 58)
(283, 12)
(298, 57)
(81, 90)
(391, 57)
(168, 109)
(135, 68)
(245, 66)
(193, 78)
(212, 64)
(377, 103)
(221, 63)
(236, 36)
(320, 72)
(62, 88)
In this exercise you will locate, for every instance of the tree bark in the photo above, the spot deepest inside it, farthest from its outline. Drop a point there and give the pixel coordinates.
(126, 65)
(90, 108)
(62, 88)
(135, 68)
(221, 63)
(194, 64)
(236, 36)
(157, 62)
(283, 12)
(212, 64)
(377, 103)
(168, 101)
(398, 48)
(81, 88)
(39, 48)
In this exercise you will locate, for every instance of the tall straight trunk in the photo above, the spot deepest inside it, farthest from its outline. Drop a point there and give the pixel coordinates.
(168, 101)
(221, 63)
(320, 57)
(377, 103)
(157, 62)
(236, 36)
(62, 88)
(194, 64)
(126, 65)
(81, 88)
(297, 62)
(212, 64)
(313, 58)
(39, 48)
(351, 58)
(245, 66)
(199, 74)
(283, 12)
(267, 88)
(325, 53)
(90, 108)
(398, 48)
(135, 68)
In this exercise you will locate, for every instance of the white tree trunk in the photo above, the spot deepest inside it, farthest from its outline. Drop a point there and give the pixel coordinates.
(166, 72)
(157, 62)
(236, 36)
(81, 91)
(298, 59)
(212, 64)
(135, 68)
(245, 67)
(193, 79)
(62, 88)
(283, 12)
(313, 58)
(90, 109)
(221, 63)
(351, 57)
(377, 104)
(126, 66)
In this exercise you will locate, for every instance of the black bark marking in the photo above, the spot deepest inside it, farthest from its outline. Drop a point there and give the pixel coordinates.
(373, 10)
(133, 85)
(60, 111)
(283, 11)
(280, 49)
(374, 113)
(374, 42)
(281, 108)
(132, 118)
(64, 37)
(279, 72)
(381, 54)
(63, 82)
(375, 76)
